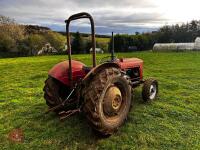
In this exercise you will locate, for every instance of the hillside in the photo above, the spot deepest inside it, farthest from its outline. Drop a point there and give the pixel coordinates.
(36, 29)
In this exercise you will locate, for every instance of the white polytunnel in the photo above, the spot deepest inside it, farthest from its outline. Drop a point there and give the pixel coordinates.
(178, 46)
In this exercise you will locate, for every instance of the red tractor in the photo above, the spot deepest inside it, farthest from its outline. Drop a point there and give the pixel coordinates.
(103, 92)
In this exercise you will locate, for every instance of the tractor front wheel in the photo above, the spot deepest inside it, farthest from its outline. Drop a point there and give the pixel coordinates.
(107, 101)
(150, 90)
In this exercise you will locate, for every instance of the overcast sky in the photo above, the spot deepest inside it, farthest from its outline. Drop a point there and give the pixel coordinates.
(120, 16)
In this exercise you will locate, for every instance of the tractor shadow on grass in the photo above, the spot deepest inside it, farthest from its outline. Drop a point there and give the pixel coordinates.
(74, 130)
(137, 97)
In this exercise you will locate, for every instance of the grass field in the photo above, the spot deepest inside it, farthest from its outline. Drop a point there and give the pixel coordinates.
(101, 40)
(171, 122)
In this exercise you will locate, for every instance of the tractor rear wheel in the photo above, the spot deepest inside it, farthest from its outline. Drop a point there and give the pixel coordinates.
(54, 92)
(107, 101)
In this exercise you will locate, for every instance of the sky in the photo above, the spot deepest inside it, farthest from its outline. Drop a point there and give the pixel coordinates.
(120, 16)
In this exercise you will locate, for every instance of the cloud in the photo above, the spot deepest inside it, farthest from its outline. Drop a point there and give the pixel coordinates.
(121, 16)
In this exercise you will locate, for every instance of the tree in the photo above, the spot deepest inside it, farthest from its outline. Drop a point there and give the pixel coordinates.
(6, 20)
(11, 34)
(6, 42)
(88, 45)
(77, 44)
(56, 40)
(36, 42)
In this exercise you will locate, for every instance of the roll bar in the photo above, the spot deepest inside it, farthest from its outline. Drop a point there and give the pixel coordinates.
(75, 17)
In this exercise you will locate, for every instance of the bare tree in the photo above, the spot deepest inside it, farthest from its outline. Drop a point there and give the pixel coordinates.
(6, 20)
(11, 34)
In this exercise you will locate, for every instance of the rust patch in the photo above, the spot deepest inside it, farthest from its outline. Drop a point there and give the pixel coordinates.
(16, 135)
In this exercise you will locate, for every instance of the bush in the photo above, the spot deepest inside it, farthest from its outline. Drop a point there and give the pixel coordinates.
(56, 40)
(11, 35)
(35, 43)
(6, 42)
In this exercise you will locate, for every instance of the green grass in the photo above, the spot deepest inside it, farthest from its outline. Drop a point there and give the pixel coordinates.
(171, 122)
(101, 40)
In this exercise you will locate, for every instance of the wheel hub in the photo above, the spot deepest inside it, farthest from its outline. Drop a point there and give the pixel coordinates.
(153, 91)
(112, 100)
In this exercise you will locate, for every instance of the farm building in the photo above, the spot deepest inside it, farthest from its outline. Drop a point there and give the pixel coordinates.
(177, 46)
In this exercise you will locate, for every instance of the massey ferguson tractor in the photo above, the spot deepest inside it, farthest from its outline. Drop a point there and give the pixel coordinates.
(102, 92)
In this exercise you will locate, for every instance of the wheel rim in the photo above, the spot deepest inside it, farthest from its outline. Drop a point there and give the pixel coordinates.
(112, 101)
(153, 91)
(116, 116)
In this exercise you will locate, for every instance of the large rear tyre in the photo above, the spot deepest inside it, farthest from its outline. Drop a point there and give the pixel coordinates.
(54, 92)
(107, 101)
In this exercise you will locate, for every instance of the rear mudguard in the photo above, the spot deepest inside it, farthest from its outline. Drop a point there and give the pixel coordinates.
(61, 71)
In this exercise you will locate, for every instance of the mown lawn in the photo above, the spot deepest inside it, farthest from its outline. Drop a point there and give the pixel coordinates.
(171, 122)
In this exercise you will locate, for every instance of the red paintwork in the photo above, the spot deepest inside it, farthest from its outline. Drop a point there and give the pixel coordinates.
(60, 70)
(127, 63)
